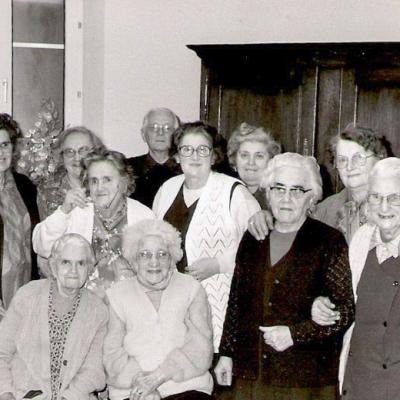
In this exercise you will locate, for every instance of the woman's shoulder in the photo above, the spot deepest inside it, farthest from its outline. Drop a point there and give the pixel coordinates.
(94, 301)
(139, 209)
(32, 289)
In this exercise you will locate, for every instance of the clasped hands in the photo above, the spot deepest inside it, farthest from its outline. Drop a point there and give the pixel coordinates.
(203, 268)
(145, 384)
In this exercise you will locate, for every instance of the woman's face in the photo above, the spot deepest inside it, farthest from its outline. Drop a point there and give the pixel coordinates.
(76, 147)
(195, 166)
(106, 186)
(289, 195)
(153, 261)
(6, 150)
(385, 215)
(251, 160)
(71, 267)
(354, 175)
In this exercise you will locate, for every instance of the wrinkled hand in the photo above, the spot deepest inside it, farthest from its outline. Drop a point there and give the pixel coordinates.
(260, 224)
(74, 198)
(203, 268)
(322, 312)
(278, 337)
(223, 371)
(145, 383)
(152, 396)
(7, 396)
(121, 268)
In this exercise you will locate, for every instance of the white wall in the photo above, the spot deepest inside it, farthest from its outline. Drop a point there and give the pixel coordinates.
(146, 63)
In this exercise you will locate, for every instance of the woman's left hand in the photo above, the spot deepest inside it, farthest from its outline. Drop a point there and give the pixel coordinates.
(278, 337)
(203, 268)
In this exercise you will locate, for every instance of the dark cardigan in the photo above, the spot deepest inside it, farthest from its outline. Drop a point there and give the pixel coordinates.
(316, 265)
(28, 193)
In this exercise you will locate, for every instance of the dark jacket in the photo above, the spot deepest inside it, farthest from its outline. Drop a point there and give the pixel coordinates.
(150, 176)
(316, 265)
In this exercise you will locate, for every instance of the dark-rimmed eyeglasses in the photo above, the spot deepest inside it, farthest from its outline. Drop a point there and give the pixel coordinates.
(294, 192)
(376, 199)
(357, 160)
(187, 150)
(146, 255)
(82, 151)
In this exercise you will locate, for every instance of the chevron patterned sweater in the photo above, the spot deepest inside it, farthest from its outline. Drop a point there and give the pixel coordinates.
(215, 231)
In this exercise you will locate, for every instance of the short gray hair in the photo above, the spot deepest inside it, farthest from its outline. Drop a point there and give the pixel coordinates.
(249, 133)
(387, 168)
(306, 163)
(135, 233)
(176, 119)
(77, 239)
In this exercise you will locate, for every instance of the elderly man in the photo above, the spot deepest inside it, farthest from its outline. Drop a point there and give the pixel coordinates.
(155, 167)
(371, 355)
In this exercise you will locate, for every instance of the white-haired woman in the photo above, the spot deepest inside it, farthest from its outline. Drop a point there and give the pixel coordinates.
(52, 336)
(72, 146)
(99, 218)
(159, 340)
(370, 347)
(249, 150)
(269, 339)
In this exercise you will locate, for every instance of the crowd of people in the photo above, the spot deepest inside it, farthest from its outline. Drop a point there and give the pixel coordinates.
(202, 269)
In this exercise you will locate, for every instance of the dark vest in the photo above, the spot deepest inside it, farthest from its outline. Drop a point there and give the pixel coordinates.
(373, 366)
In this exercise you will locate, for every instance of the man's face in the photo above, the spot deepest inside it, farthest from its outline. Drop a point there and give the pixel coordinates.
(158, 131)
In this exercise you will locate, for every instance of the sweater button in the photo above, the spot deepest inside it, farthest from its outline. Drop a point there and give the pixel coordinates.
(264, 356)
(65, 363)
(277, 282)
(385, 324)
(344, 392)
(384, 366)
(269, 304)
(395, 283)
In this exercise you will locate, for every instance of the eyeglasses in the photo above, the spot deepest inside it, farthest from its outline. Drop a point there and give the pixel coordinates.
(376, 199)
(294, 192)
(146, 255)
(6, 146)
(82, 151)
(259, 156)
(357, 160)
(156, 128)
(187, 150)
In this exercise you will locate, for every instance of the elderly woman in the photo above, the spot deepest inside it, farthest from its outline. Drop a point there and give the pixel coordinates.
(159, 340)
(269, 340)
(355, 151)
(72, 147)
(99, 218)
(211, 211)
(372, 370)
(52, 336)
(249, 150)
(19, 214)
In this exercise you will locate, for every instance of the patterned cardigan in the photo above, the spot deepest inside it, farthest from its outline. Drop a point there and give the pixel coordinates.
(316, 265)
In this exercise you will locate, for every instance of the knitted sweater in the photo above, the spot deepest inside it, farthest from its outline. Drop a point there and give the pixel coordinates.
(216, 229)
(25, 347)
(176, 338)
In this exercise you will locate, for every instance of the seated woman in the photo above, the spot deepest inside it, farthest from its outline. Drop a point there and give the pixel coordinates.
(211, 211)
(51, 338)
(18, 216)
(249, 150)
(99, 218)
(371, 373)
(275, 349)
(354, 152)
(159, 340)
(72, 147)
